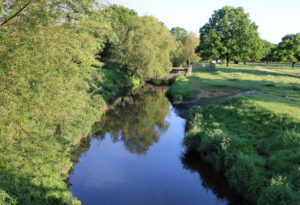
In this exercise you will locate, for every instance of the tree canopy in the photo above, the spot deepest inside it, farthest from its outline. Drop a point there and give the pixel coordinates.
(189, 47)
(229, 34)
(179, 33)
(288, 50)
(144, 48)
(187, 43)
(267, 48)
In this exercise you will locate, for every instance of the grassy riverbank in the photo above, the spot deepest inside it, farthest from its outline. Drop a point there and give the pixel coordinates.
(253, 139)
(40, 144)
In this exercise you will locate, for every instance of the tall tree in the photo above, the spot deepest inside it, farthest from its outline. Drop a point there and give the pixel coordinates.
(145, 48)
(267, 50)
(119, 18)
(229, 34)
(186, 45)
(188, 49)
(44, 11)
(288, 50)
(179, 33)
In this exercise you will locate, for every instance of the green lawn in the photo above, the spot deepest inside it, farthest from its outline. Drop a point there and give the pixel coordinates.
(253, 139)
(276, 92)
(280, 67)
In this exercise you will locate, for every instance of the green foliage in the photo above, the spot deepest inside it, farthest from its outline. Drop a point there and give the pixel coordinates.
(145, 50)
(109, 81)
(186, 46)
(119, 19)
(279, 192)
(45, 105)
(180, 34)
(229, 35)
(142, 45)
(267, 51)
(43, 12)
(247, 175)
(288, 50)
(53, 88)
(253, 139)
(189, 48)
(251, 145)
(118, 16)
(180, 90)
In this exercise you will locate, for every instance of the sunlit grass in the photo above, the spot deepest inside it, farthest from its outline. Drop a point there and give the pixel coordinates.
(253, 139)
(279, 93)
(280, 67)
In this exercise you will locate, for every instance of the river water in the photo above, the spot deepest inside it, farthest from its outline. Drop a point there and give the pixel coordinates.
(136, 156)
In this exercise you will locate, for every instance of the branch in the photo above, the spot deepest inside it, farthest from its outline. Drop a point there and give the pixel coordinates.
(13, 16)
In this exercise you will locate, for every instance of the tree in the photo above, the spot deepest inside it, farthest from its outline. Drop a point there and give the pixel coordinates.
(229, 35)
(44, 11)
(288, 50)
(46, 55)
(119, 18)
(186, 45)
(267, 48)
(188, 49)
(179, 33)
(145, 48)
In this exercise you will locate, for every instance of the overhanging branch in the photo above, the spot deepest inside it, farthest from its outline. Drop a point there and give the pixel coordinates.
(13, 16)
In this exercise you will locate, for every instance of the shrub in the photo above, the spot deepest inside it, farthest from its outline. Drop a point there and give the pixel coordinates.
(279, 192)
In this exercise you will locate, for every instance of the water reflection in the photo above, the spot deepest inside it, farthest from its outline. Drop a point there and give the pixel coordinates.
(210, 179)
(146, 125)
(137, 121)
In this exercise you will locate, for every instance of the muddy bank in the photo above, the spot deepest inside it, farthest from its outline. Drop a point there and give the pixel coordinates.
(183, 107)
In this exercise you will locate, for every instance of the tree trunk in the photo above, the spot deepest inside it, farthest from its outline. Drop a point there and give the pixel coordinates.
(227, 59)
(236, 62)
(244, 63)
(293, 64)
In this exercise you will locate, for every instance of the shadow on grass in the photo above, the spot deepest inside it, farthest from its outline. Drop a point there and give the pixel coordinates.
(242, 84)
(252, 72)
(23, 191)
(275, 65)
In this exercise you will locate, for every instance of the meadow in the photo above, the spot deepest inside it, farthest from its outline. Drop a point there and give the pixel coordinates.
(280, 67)
(249, 129)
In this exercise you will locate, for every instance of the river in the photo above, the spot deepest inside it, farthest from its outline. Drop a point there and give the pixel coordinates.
(136, 156)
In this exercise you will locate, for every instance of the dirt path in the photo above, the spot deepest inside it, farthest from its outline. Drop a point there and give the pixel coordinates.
(273, 71)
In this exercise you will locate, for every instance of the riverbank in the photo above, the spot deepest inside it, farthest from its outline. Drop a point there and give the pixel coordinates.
(135, 150)
(253, 139)
(37, 155)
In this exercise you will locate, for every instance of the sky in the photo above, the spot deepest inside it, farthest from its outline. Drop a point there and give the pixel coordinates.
(275, 18)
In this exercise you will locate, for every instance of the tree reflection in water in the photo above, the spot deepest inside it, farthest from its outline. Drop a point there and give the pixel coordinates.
(211, 179)
(138, 121)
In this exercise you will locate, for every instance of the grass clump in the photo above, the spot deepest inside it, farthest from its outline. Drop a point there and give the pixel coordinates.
(257, 149)
(182, 90)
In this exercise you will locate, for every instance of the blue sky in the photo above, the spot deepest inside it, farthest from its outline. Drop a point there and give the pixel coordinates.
(275, 18)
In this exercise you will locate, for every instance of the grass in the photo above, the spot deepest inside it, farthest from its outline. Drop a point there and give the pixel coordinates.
(276, 92)
(280, 67)
(253, 139)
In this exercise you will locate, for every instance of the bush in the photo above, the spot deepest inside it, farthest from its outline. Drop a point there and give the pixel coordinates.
(279, 192)
(247, 175)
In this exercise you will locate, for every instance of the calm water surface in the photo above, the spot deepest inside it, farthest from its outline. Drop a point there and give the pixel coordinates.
(136, 156)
